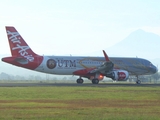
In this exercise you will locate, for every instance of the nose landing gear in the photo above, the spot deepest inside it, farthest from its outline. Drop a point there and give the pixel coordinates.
(138, 81)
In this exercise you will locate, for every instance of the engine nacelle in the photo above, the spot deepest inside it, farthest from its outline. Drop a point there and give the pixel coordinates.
(119, 75)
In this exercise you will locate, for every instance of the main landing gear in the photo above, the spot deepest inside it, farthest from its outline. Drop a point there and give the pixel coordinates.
(80, 80)
(95, 81)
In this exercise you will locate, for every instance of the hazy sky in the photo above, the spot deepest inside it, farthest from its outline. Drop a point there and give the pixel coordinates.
(64, 27)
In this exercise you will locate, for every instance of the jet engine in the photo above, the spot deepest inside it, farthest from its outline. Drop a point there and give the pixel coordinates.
(119, 75)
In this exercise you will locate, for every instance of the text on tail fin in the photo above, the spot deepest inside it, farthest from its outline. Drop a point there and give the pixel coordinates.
(18, 46)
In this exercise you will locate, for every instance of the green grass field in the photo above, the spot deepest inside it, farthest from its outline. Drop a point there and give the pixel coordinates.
(80, 103)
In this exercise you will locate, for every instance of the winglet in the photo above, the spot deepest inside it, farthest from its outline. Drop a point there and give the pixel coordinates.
(106, 56)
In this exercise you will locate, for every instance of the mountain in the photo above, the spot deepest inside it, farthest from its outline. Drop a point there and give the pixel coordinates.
(139, 43)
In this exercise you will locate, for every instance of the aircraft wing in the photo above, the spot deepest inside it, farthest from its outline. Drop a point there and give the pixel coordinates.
(105, 67)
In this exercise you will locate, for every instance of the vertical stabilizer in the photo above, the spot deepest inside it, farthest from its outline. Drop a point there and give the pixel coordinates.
(18, 47)
(22, 55)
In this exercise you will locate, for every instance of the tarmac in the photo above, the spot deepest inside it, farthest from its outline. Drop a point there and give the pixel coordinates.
(43, 84)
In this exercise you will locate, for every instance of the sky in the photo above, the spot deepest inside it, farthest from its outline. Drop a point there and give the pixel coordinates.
(76, 27)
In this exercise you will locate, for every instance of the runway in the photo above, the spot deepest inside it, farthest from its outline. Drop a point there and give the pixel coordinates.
(77, 85)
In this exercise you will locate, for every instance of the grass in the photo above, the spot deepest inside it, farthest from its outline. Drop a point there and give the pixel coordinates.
(80, 103)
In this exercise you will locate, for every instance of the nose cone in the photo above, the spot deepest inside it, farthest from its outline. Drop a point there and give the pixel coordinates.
(154, 69)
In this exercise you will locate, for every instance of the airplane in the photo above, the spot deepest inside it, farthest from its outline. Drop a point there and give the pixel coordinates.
(93, 68)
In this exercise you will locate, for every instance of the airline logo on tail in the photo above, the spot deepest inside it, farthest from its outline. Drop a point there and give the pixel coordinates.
(18, 46)
(22, 55)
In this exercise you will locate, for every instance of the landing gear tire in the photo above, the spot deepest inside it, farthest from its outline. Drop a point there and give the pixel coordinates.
(138, 82)
(95, 81)
(79, 81)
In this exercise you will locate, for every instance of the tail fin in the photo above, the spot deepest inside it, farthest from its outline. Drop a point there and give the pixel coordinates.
(22, 55)
(18, 46)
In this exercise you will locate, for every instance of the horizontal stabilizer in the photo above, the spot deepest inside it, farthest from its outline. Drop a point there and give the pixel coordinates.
(15, 59)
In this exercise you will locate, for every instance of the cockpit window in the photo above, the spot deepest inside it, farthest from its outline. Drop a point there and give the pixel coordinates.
(150, 64)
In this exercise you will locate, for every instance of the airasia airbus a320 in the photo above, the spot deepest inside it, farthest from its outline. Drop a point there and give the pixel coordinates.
(93, 68)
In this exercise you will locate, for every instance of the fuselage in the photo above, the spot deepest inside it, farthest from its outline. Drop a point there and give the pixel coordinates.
(66, 65)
